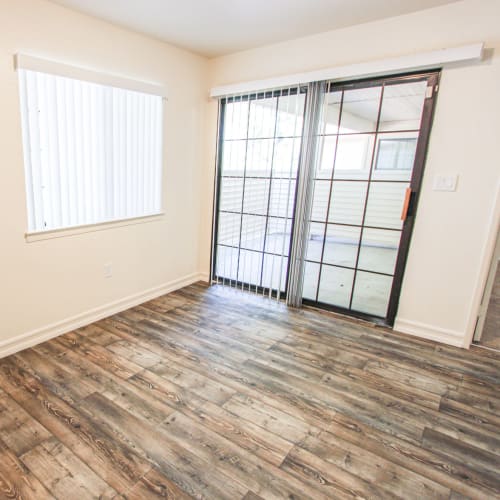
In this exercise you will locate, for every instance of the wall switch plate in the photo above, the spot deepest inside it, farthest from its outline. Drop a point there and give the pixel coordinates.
(445, 183)
(108, 270)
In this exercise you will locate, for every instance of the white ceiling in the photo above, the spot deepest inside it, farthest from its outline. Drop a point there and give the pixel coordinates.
(217, 27)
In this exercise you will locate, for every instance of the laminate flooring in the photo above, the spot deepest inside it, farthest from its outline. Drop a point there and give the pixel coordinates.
(209, 392)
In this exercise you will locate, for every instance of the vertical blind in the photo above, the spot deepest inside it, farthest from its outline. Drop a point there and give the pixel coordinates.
(93, 152)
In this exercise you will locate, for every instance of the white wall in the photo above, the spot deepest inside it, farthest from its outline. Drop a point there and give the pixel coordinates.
(453, 231)
(47, 286)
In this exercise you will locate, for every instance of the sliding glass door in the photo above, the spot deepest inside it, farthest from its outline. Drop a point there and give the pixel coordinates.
(259, 150)
(369, 140)
(365, 177)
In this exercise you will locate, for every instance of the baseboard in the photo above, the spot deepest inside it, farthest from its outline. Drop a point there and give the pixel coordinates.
(423, 330)
(204, 277)
(48, 332)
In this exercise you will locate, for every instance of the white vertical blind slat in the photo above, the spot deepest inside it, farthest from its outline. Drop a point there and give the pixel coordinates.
(98, 166)
(147, 158)
(128, 154)
(133, 156)
(71, 165)
(62, 150)
(45, 177)
(88, 152)
(141, 159)
(122, 147)
(78, 158)
(33, 114)
(158, 148)
(108, 154)
(53, 151)
(26, 129)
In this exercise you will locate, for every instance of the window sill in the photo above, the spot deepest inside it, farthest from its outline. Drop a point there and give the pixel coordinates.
(90, 228)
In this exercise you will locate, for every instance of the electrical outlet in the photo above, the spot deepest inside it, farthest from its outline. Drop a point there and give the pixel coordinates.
(108, 270)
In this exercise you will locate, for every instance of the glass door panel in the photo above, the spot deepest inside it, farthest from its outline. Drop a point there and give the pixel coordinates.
(258, 161)
(335, 285)
(368, 140)
(341, 245)
(394, 156)
(377, 251)
(402, 106)
(371, 293)
(360, 110)
(354, 156)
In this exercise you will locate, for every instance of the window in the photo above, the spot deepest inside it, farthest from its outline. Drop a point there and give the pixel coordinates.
(396, 154)
(92, 151)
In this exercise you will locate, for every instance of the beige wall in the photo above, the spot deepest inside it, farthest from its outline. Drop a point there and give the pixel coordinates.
(43, 284)
(453, 231)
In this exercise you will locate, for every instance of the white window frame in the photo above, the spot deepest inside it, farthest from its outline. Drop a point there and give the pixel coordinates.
(31, 63)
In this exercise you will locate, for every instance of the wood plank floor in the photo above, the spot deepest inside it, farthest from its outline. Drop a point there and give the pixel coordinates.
(216, 393)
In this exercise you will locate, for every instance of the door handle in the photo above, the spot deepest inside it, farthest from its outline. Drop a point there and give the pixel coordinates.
(406, 204)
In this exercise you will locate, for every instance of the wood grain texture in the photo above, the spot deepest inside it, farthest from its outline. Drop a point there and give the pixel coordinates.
(216, 393)
(491, 330)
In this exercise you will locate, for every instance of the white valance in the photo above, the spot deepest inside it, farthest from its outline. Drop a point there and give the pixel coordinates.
(23, 61)
(411, 62)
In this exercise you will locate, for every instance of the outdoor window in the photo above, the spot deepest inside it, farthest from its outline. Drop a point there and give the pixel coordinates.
(92, 151)
(396, 154)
